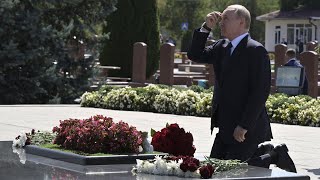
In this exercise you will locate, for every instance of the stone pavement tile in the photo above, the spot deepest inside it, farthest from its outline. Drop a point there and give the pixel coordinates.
(303, 142)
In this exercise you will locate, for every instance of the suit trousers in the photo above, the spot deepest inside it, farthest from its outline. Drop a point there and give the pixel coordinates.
(245, 152)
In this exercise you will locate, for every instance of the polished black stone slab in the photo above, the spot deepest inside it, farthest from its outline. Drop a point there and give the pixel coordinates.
(37, 167)
(87, 160)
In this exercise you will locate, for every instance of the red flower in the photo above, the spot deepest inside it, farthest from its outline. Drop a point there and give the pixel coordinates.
(184, 167)
(206, 171)
(173, 140)
(189, 164)
(98, 134)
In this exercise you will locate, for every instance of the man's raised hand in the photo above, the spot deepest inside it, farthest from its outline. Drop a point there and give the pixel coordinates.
(212, 19)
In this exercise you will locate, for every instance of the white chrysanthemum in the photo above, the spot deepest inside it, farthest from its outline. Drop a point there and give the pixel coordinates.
(21, 141)
(149, 167)
(195, 174)
(172, 167)
(21, 153)
(160, 166)
(140, 165)
(179, 172)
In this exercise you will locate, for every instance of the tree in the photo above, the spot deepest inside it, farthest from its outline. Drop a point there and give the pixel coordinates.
(176, 12)
(33, 36)
(287, 5)
(134, 21)
(257, 28)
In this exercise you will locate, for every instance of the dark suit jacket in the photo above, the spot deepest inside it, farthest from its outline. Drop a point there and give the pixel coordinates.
(241, 89)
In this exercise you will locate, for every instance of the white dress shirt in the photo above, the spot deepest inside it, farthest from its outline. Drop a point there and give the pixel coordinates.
(237, 40)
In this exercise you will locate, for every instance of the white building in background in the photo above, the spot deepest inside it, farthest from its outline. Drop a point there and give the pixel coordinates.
(291, 26)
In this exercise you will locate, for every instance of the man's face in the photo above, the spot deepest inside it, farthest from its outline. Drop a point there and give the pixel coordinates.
(230, 24)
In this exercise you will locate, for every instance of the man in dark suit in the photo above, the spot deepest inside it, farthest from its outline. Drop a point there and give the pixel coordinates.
(242, 85)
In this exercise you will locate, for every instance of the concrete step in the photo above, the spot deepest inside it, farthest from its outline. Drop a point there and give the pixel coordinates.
(118, 79)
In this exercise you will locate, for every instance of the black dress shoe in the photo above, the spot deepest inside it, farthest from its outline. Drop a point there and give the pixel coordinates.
(283, 160)
(263, 149)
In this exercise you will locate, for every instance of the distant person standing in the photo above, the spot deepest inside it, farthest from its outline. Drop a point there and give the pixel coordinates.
(300, 45)
(292, 61)
(284, 41)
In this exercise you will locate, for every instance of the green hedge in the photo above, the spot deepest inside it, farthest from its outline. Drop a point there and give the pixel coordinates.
(196, 101)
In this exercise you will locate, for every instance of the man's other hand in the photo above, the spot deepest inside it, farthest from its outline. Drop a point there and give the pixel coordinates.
(239, 134)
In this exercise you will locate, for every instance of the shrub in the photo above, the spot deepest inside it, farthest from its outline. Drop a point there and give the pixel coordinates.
(146, 97)
(91, 99)
(186, 102)
(123, 99)
(301, 110)
(204, 105)
(196, 88)
(105, 89)
(124, 138)
(166, 101)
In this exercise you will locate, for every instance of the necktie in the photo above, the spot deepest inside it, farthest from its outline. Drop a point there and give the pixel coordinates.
(226, 58)
(228, 49)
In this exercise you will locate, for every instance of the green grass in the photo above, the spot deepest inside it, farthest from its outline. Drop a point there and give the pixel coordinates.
(58, 147)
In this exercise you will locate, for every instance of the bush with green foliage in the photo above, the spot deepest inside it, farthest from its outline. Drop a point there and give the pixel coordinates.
(186, 102)
(204, 105)
(33, 58)
(123, 99)
(299, 110)
(166, 101)
(134, 21)
(91, 99)
(146, 97)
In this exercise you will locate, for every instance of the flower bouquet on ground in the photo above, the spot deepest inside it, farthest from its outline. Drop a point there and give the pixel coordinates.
(173, 140)
(179, 144)
(185, 166)
(95, 136)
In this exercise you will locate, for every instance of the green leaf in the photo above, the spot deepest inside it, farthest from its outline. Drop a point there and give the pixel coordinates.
(152, 132)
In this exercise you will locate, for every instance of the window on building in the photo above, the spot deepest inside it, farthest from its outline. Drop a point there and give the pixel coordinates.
(299, 33)
(277, 35)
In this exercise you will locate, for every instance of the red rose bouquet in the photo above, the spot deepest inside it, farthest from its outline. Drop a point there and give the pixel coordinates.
(173, 140)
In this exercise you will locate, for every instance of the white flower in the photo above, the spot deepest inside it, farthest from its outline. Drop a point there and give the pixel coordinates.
(172, 167)
(21, 153)
(21, 141)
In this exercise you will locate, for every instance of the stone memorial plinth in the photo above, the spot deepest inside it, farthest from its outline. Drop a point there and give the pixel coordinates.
(167, 64)
(88, 160)
(29, 166)
(139, 63)
(310, 60)
(279, 55)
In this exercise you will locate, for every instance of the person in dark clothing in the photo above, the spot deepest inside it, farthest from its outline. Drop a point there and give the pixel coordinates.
(292, 61)
(300, 45)
(284, 41)
(242, 86)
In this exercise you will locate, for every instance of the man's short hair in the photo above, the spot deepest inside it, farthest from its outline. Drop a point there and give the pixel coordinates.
(242, 12)
(291, 53)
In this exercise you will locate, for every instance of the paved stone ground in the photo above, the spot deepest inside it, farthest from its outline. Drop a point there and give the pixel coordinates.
(303, 142)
